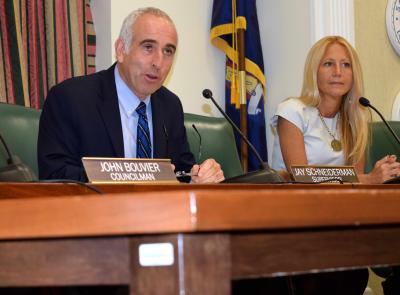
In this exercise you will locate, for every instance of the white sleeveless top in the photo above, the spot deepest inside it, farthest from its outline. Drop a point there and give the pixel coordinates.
(317, 140)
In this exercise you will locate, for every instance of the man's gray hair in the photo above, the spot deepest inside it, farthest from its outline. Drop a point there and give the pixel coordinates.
(126, 33)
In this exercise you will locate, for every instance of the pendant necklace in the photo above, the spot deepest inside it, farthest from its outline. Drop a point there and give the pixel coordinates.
(335, 143)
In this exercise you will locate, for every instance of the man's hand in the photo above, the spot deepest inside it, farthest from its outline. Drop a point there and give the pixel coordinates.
(208, 172)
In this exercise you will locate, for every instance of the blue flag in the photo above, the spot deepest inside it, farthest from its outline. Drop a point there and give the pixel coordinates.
(227, 17)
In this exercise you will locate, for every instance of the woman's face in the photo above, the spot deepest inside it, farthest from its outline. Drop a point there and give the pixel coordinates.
(335, 73)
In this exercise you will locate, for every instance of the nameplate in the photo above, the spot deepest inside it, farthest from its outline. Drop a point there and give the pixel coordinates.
(127, 170)
(324, 173)
(156, 254)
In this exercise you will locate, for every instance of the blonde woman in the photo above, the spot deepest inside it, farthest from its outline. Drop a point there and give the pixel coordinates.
(326, 125)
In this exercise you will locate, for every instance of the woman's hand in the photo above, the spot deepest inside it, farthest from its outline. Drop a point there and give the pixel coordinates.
(384, 169)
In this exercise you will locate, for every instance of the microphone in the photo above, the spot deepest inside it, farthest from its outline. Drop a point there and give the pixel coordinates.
(15, 171)
(166, 138)
(199, 135)
(365, 102)
(263, 175)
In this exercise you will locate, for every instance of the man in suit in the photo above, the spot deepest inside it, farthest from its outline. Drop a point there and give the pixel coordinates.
(98, 115)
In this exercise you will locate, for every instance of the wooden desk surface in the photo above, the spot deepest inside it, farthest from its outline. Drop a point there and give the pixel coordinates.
(69, 210)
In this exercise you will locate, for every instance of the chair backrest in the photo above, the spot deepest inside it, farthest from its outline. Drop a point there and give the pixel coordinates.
(19, 127)
(217, 142)
(382, 143)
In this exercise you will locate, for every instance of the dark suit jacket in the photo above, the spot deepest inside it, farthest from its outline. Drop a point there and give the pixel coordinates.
(81, 118)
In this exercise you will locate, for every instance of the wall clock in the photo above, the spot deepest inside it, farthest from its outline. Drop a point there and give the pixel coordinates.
(393, 23)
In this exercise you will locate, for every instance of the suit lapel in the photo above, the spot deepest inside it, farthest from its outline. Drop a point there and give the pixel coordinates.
(109, 110)
(160, 137)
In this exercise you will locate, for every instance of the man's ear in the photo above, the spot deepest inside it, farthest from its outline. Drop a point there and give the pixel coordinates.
(119, 50)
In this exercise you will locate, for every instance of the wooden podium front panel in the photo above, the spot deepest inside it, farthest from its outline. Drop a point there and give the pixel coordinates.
(289, 253)
(202, 266)
(219, 234)
(65, 262)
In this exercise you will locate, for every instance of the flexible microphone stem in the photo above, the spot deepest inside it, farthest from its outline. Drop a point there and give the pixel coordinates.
(365, 102)
(15, 170)
(166, 138)
(386, 123)
(263, 175)
(10, 158)
(199, 135)
(208, 94)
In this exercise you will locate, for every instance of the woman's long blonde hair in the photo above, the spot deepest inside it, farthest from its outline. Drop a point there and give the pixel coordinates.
(354, 118)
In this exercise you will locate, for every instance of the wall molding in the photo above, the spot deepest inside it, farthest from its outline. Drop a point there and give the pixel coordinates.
(396, 108)
(332, 17)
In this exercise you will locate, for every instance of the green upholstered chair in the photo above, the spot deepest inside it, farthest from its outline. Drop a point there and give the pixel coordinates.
(217, 142)
(19, 127)
(382, 143)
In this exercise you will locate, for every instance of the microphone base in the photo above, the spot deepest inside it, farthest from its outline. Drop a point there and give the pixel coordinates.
(262, 176)
(17, 173)
(395, 180)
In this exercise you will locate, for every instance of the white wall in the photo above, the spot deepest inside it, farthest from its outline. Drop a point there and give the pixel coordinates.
(198, 64)
(102, 22)
(285, 37)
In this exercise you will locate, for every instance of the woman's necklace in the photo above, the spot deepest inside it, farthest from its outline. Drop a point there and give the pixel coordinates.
(335, 143)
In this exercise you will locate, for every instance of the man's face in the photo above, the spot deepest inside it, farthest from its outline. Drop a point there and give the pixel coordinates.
(147, 63)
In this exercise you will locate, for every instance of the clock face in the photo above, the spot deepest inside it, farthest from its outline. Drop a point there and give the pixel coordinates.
(393, 23)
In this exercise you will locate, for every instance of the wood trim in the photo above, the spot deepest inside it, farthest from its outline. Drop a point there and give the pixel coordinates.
(192, 209)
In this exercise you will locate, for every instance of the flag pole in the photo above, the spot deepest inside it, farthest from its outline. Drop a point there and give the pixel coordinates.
(242, 97)
(244, 75)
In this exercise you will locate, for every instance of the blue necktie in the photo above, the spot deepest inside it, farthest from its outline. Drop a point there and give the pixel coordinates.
(143, 143)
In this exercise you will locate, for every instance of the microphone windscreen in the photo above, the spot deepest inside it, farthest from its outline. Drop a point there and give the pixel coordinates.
(364, 101)
(207, 93)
